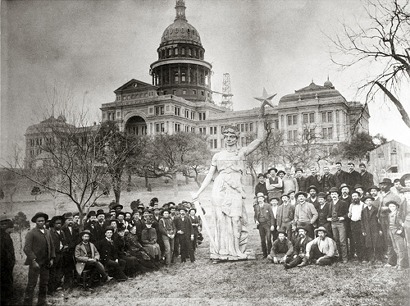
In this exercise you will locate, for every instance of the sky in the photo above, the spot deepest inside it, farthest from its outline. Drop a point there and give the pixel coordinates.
(84, 50)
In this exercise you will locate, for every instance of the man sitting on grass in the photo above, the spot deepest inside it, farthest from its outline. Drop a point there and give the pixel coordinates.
(299, 257)
(282, 249)
(322, 250)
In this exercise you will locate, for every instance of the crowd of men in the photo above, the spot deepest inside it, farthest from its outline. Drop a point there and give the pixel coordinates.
(116, 244)
(321, 219)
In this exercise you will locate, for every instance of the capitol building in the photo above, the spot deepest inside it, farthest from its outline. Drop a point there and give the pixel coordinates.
(179, 99)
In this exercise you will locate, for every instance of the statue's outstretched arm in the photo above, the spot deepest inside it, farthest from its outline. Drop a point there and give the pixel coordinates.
(205, 183)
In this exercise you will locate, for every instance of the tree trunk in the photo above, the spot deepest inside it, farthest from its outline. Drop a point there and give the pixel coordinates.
(186, 180)
(21, 243)
(129, 182)
(175, 185)
(146, 179)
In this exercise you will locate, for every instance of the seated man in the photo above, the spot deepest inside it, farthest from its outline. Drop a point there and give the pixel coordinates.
(322, 250)
(282, 249)
(87, 256)
(299, 257)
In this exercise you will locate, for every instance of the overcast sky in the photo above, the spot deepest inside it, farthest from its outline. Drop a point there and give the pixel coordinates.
(90, 48)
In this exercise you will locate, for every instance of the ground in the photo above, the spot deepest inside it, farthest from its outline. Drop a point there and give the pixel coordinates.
(255, 282)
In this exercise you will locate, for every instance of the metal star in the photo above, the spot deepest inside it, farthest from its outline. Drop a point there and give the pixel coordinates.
(266, 100)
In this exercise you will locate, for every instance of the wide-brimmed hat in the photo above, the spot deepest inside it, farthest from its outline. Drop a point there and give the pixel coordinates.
(373, 187)
(301, 192)
(162, 211)
(68, 215)
(393, 202)
(179, 208)
(334, 189)
(91, 213)
(55, 218)
(285, 195)
(367, 197)
(85, 232)
(281, 171)
(343, 186)
(313, 187)
(301, 227)
(192, 208)
(299, 169)
(386, 181)
(261, 175)
(121, 213)
(283, 232)
(405, 189)
(404, 178)
(134, 204)
(38, 215)
(118, 205)
(274, 198)
(358, 186)
(321, 229)
(274, 169)
(260, 194)
(355, 191)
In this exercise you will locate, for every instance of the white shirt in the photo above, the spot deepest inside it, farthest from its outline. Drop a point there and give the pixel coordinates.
(355, 211)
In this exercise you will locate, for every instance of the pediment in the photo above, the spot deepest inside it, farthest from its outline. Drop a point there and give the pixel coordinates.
(135, 86)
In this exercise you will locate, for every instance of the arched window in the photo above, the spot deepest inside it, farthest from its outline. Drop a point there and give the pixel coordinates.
(176, 51)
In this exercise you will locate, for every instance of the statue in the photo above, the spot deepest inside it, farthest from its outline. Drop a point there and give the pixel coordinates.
(230, 234)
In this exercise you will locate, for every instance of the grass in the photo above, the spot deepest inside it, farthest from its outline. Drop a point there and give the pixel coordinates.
(254, 282)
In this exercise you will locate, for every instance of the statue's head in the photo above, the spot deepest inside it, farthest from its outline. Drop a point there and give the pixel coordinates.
(231, 134)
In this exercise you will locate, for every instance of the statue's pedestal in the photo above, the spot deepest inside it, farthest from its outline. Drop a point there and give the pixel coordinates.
(250, 255)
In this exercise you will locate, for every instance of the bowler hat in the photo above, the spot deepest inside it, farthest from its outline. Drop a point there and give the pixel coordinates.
(68, 215)
(261, 175)
(91, 213)
(299, 193)
(85, 232)
(285, 195)
(182, 208)
(192, 208)
(343, 186)
(321, 229)
(334, 189)
(312, 187)
(274, 169)
(164, 210)
(386, 181)
(109, 228)
(274, 198)
(321, 195)
(283, 232)
(281, 171)
(38, 215)
(301, 227)
(260, 194)
(356, 192)
(100, 212)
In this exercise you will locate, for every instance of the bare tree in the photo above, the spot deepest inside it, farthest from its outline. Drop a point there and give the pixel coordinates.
(383, 43)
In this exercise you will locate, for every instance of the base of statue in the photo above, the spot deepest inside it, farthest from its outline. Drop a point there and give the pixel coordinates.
(249, 255)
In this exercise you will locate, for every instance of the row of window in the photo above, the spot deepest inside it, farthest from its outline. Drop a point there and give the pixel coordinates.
(327, 134)
(309, 118)
(185, 92)
(183, 51)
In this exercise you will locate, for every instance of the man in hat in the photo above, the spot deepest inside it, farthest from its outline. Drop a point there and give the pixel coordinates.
(109, 256)
(196, 225)
(328, 180)
(273, 183)
(285, 215)
(339, 175)
(355, 216)
(366, 178)
(387, 196)
(87, 256)
(359, 188)
(91, 225)
(322, 250)
(100, 225)
(345, 193)
(7, 260)
(305, 213)
(396, 234)
(185, 233)
(265, 222)
(60, 246)
(274, 205)
(299, 257)
(71, 233)
(352, 176)
(300, 179)
(371, 231)
(338, 212)
(312, 198)
(118, 208)
(40, 252)
(261, 185)
(282, 249)
(168, 231)
(323, 208)
(314, 179)
(289, 182)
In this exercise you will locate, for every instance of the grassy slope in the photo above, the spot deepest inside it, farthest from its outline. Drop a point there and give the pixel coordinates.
(237, 283)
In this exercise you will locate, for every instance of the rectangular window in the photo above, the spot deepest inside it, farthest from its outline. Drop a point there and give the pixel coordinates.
(290, 120)
(312, 133)
(305, 118)
(202, 116)
(324, 118)
(290, 135)
(251, 127)
(177, 127)
(329, 117)
(157, 127)
(242, 127)
(311, 117)
(186, 113)
(159, 110)
(177, 111)
(202, 130)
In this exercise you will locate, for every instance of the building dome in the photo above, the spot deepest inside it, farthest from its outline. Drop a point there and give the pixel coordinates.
(328, 84)
(180, 30)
